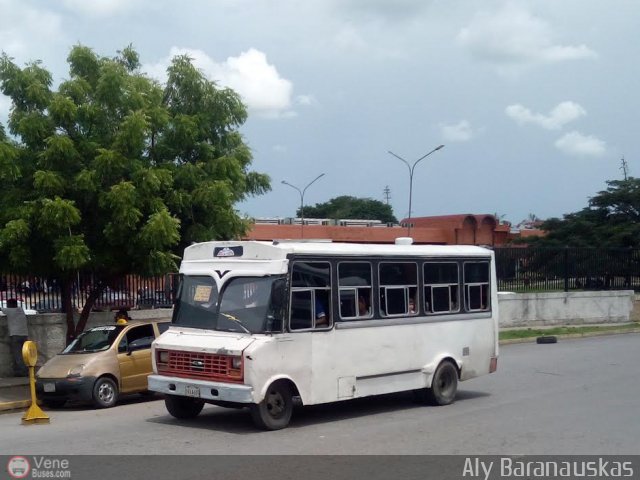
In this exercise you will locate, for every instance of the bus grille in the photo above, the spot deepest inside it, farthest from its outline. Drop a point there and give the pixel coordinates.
(200, 365)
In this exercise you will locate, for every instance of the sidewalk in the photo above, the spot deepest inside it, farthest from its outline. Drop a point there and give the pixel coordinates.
(14, 393)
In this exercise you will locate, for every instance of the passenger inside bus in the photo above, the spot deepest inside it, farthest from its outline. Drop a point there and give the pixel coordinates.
(412, 306)
(322, 319)
(364, 309)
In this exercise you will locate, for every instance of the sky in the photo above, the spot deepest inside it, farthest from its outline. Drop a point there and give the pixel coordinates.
(535, 101)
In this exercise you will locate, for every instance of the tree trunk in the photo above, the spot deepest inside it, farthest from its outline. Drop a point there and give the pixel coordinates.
(86, 309)
(68, 308)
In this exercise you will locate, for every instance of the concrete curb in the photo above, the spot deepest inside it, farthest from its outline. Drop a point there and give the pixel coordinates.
(572, 335)
(15, 405)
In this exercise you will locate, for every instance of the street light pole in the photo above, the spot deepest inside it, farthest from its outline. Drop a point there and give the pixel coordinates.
(411, 169)
(301, 192)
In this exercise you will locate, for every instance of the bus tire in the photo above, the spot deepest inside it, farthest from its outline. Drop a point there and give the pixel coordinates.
(444, 385)
(105, 393)
(183, 407)
(274, 411)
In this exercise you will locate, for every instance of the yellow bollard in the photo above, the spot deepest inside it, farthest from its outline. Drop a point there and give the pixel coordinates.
(35, 413)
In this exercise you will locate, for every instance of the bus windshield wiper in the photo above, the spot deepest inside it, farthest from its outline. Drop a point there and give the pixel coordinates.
(231, 317)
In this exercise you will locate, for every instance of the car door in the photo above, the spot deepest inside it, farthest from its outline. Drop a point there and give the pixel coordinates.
(134, 357)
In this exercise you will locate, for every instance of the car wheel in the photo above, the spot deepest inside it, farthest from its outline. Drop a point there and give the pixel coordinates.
(274, 411)
(105, 393)
(183, 407)
(443, 386)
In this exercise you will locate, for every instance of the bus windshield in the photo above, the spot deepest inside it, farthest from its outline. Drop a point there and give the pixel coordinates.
(246, 304)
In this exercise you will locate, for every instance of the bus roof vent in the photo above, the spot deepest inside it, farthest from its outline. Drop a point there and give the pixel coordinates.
(404, 241)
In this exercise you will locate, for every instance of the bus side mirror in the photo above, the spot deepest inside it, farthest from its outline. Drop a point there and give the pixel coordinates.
(278, 290)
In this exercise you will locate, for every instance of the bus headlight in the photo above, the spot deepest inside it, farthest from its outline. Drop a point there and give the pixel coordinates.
(162, 356)
(236, 363)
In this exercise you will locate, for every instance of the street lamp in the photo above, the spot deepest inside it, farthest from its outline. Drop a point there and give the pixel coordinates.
(301, 192)
(411, 168)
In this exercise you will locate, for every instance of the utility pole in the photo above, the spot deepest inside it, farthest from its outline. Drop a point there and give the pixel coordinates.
(387, 194)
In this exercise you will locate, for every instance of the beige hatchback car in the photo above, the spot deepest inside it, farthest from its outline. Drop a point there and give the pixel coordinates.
(100, 365)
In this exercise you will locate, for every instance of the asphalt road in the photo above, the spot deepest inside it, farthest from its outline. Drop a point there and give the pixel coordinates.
(574, 397)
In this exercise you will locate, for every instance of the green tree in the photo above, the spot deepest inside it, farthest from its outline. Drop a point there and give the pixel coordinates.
(612, 219)
(351, 207)
(115, 173)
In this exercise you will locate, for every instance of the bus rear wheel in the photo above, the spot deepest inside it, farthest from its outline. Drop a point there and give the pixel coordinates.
(274, 411)
(183, 407)
(444, 385)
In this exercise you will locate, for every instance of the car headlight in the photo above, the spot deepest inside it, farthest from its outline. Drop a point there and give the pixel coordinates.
(236, 363)
(75, 371)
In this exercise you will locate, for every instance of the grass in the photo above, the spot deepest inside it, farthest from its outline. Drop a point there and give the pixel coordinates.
(537, 332)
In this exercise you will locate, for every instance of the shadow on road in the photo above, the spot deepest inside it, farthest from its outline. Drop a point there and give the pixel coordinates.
(131, 399)
(239, 421)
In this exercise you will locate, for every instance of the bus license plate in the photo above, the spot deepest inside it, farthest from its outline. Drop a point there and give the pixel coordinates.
(49, 387)
(192, 391)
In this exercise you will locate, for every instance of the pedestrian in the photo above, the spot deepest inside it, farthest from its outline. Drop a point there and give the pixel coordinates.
(18, 334)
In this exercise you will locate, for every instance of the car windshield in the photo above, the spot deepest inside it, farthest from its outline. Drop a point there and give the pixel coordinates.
(246, 304)
(95, 339)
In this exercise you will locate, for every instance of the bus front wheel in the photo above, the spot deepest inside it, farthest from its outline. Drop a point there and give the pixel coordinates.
(183, 407)
(443, 386)
(274, 411)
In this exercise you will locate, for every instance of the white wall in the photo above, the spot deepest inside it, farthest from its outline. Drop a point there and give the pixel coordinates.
(572, 308)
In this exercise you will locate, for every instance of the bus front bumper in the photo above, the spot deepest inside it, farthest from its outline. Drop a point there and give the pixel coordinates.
(216, 391)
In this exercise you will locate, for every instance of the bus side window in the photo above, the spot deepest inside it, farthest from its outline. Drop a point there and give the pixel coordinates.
(476, 286)
(441, 292)
(301, 311)
(310, 295)
(398, 288)
(354, 286)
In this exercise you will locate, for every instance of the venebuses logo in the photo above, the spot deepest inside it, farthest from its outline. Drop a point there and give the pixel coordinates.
(18, 467)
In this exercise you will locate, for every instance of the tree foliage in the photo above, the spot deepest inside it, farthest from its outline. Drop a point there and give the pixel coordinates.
(352, 208)
(612, 219)
(115, 173)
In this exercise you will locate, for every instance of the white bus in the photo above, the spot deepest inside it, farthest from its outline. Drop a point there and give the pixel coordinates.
(257, 324)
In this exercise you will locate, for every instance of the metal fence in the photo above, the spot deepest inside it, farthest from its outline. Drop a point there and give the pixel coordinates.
(564, 269)
(129, 292)
(519, 270)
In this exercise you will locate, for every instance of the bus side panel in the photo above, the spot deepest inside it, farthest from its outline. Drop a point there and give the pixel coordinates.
(358, 362)
(280, 356)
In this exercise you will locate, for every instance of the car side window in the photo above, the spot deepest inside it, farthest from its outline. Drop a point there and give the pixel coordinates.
(138, 338)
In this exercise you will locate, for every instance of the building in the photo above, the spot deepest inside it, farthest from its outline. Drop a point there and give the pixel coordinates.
(464, 229)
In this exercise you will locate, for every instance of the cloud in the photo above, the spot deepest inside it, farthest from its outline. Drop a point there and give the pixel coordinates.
(306, 100)
(259, 84)
(396, 11)
(513, 36)
(98, 8)
(348, 38)
(561, 114)
(280, 149)
(460, 132)
(22, 26)
(575, 143)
